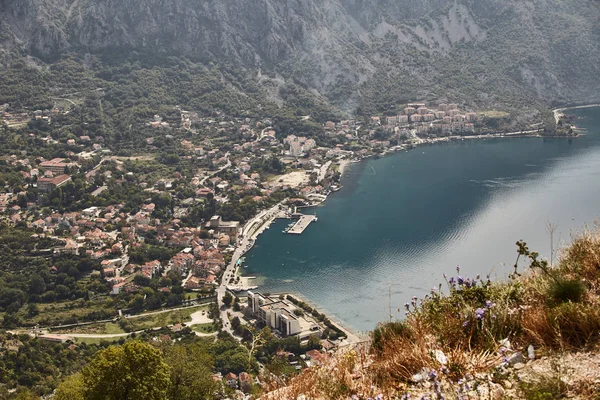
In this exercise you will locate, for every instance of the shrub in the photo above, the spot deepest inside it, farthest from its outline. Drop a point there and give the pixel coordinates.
(385, 332)
(575, 324)
(545, 388)
(563, 290)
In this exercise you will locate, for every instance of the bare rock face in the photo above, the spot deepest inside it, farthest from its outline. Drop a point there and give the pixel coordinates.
(513, 49)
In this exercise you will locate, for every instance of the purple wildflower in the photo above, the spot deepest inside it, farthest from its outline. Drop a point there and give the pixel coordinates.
(432, 374)
(458, 269)
(460, 280)
(480, 313)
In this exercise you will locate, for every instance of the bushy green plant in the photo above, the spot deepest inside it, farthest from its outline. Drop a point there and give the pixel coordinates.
(564, 290)
(546, 388)
(384, 332)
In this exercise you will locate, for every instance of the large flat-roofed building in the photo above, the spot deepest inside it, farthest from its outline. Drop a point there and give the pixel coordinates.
(56, 165)
(230, 228)
(49, 184)
(280, 315)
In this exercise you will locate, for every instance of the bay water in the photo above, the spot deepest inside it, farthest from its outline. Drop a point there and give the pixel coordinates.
(403, 220)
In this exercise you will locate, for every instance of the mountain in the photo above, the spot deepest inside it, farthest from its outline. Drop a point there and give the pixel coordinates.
(361, 54)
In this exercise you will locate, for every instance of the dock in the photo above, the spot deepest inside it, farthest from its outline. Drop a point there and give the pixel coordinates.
(302, 224)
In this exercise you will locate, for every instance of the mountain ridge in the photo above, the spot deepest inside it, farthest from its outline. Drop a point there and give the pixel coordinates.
(369, 55)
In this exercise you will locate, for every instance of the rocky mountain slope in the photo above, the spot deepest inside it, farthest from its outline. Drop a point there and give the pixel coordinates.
(359, 53)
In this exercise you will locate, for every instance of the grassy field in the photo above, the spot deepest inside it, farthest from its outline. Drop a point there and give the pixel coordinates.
(203, 328)
(94, 340)
(164, 319)
(64, 312)
(105, 328)
(141, 323)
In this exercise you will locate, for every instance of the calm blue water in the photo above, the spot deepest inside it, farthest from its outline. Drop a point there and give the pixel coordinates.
(403, 220)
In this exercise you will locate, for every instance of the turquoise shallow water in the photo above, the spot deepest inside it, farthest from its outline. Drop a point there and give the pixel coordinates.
(403, 220)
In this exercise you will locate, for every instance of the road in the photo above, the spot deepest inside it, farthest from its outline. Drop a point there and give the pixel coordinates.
(217, 171)
(246, 242)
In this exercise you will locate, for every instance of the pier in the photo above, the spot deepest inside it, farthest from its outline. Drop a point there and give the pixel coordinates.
(302, 224)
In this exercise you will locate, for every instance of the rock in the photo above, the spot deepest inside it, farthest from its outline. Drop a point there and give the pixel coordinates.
(515, 359)
(531, 352)
(441, 357)
(519, 366)
(507, 384)
(497, 392)
(505, 343)
(301, 397)
(420, 377)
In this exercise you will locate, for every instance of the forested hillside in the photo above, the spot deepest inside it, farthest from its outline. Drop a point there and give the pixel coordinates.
(360, 55)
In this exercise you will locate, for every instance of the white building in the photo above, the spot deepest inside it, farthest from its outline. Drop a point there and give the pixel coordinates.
(281, 315)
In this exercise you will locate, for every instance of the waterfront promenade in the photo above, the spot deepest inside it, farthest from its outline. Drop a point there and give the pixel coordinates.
(249, 234)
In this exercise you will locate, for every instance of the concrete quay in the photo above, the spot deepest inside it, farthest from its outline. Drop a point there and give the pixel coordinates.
(302, 224)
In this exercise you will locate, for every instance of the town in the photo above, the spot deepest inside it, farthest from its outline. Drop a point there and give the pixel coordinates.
(126, 236)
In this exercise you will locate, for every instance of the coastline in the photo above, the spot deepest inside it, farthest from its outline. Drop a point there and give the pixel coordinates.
(342, 167)
(558, 112)
(352, 337)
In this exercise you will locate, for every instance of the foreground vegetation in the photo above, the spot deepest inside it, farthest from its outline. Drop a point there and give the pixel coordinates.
(463, 342)
(474, 339)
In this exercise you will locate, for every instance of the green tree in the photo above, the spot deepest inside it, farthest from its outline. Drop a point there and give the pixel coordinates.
(235, 323)
(32, 310)
(227, 299)
(37, 285)
(191, 373)
(135, 370)
(25, 394)
(71, 388)
(137, 303)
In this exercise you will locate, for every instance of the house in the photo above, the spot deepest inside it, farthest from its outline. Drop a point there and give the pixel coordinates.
(118, 288)
(316, 356)
(245, 382)
(204, 192)
(231, 380)
(53, 338)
